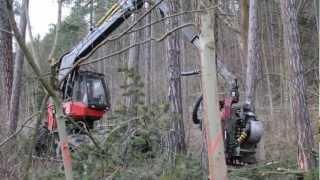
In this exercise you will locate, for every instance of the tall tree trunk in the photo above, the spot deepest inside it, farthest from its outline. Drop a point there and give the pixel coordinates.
(147, 59)
(35, 53)
(269, 53)
(305, 141)
(57, 29)
(316, 7)
(212, 124)
(177, 136)
(18, 68)
(6, 55)
(244, 28)
(133, 64)
(253, 63)
(51, 59)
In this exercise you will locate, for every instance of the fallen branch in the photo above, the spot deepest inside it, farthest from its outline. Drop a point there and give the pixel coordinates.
(268, 169)
(111, 176)
(120, 126)
(47, 159)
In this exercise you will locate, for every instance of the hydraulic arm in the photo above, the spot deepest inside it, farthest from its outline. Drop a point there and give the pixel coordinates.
(109, 23)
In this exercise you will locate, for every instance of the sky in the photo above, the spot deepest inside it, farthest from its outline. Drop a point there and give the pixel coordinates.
(42, 14)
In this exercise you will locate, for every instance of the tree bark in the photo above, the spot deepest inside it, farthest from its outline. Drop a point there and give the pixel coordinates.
(177, 136)
(270, 54)
(35, 53)
(318, 25)
(148, 60)
(244, 28)
(316, 7)
(254, 65)
(212, 123)
(318, 15)
(253, 62)
(6, 54)
(18, 68)
(133, 64)
(297, 88)
(57, 29)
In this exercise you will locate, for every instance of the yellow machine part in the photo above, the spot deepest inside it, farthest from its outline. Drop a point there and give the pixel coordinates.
(243, 136)
(108, 14)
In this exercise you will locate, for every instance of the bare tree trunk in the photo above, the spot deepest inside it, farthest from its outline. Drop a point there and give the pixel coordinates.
(305, 141)
(253, 64)
(35, 53)
(317, 6)
(318, 15)
(177, 135)
(269, 52)
(18, 68)
(148, 60)
(6, 55)
(244, 28)
(57, 29)
(318, 25)
(212, 124)
(133, 63)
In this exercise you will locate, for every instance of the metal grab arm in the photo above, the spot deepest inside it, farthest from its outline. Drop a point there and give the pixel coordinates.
(193, 36)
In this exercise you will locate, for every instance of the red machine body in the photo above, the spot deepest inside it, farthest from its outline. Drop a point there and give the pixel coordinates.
(225, 108)
(51, 119)
(79, 111)
(86, 100)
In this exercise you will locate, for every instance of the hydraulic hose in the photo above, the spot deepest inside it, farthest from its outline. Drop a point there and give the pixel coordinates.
(190, 73)
(196, 107)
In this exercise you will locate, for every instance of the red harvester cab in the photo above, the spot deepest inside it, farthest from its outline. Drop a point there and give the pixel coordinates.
(87, 99)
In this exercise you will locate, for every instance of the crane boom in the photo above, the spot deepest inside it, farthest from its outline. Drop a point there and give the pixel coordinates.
(120, 12)
(96, 36)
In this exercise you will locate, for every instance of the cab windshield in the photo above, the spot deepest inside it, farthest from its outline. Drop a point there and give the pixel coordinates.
(95, 92)
(90, 91)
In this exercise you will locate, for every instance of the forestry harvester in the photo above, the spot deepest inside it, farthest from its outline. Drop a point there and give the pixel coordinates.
(86, 97)
(242, 130)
